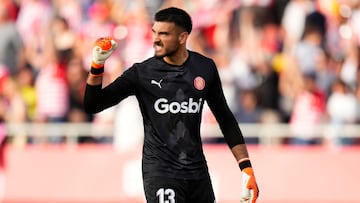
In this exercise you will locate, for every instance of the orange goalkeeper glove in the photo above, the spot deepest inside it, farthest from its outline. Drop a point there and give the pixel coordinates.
(250, 190)
(101, 51)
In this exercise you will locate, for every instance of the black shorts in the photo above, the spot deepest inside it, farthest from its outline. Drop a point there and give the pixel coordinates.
(171, 190)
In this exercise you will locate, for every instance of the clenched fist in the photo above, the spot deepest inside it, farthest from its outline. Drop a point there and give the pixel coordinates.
(102, 49)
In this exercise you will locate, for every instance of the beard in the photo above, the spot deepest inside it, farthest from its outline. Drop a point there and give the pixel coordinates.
(167, 51)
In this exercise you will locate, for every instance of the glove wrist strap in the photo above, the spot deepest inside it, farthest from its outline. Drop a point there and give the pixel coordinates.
(244, 163)
(97, 71)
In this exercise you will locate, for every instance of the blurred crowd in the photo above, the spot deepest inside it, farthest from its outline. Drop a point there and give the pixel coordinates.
(280, 61)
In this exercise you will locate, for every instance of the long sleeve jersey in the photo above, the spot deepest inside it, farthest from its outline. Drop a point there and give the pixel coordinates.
(171, 100)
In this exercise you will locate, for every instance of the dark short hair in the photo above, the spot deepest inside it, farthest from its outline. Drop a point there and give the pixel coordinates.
(175, 15)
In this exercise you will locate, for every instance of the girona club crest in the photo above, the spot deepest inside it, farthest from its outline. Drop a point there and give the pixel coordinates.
(199, 83)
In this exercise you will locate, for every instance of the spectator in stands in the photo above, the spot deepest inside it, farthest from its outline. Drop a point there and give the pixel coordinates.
(32, 23)
(11, 46)
(15, 108)
(290, 82)
(341, 109)
(52, 92)
(293, 22)
(311, 45)
(248, 110)
(325, 69)
(26, 81)
(63, 39)
(76, 78)
(308, 113)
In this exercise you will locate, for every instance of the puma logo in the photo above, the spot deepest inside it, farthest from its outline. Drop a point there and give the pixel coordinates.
(154, 82)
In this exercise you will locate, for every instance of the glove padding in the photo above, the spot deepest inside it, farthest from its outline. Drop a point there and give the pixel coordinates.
(102, 50)
(250, 190)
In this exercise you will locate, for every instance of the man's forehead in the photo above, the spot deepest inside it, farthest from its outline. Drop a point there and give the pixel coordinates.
(162, 26)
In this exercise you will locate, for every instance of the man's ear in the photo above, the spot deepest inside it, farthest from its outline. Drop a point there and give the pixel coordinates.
(183, 37)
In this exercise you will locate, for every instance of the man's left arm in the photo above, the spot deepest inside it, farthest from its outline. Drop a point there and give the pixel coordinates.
(234, 138)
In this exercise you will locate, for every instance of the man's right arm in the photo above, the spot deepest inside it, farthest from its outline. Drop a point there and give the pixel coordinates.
(92, 103)
(94, 80)
(101, 51)
(92, 93)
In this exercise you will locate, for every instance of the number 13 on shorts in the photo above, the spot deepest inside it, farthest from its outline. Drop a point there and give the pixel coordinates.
(166, 195)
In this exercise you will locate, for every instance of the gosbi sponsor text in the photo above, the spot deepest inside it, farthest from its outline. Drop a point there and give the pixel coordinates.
(163, 106)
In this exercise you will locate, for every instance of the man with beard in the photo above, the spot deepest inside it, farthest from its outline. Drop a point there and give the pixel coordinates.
(171, 88)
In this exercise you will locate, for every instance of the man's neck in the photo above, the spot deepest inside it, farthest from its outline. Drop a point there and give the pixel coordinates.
(177, 59)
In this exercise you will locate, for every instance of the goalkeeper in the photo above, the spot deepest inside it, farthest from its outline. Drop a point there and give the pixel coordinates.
(171, 88)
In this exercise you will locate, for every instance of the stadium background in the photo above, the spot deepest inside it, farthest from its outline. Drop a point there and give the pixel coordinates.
(289, 71)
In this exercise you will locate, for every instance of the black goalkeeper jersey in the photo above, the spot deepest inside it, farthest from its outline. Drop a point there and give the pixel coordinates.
(171, 99)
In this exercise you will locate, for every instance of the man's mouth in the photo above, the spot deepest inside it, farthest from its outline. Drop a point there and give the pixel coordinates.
(157, 46)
